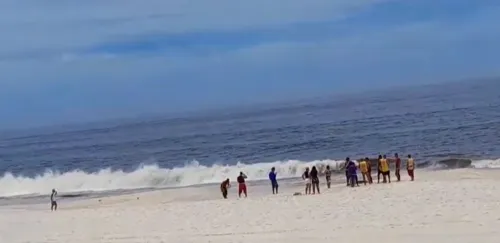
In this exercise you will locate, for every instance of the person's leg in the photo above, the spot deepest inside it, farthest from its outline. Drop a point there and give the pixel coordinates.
(314, 187)
(245, 190)
(347, 177)
(240, 190)
(317, 186)
(389, 176)
(378, 176)
(357, 181)
(276, 188)
(398, 176)
(55, 206)
(364, 177)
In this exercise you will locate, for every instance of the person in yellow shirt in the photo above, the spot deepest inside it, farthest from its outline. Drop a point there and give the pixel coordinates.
(363, 167)
(384, 168)
(410, 166)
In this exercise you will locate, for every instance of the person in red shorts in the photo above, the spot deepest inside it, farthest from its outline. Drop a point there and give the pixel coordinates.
(242, 187)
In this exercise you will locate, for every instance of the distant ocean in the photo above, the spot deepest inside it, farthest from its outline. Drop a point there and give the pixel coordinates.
(455, 120)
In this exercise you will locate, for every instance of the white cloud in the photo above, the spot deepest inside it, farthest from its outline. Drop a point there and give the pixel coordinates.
(45, 27)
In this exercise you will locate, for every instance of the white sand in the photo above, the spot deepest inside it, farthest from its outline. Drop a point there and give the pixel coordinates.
(446, 206)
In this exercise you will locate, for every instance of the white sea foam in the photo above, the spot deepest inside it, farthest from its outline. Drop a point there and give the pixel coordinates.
(148, 176)
(153, 176)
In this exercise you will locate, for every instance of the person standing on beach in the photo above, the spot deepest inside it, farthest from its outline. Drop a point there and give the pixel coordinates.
(53, 202)
(328, 176)
(410, 166)
(224, 186)
(363, 167)
(306, 177)
(242, 187)
(369, 173)
(379, 170)
(398, 166)
(314, 180)
(384, 168)
(346, 164)
(353, 175)
(274, 182)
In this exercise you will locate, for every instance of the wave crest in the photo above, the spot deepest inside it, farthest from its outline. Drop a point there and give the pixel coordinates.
(147, 176)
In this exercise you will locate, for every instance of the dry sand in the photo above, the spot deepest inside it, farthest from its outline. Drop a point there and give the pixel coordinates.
(443, 206)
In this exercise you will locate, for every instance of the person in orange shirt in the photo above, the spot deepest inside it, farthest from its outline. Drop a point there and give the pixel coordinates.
(363, 167)
(384, 169)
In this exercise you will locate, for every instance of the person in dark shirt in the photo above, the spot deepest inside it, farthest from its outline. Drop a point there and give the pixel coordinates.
(398, 166)
(242, 187)
(353, 175)
(314, 180)
(306, 177)
(53, 202)
(347, 177)
(274, 182)
(224, 186)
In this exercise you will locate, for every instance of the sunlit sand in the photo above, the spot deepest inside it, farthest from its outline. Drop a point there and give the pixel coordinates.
(442, 206)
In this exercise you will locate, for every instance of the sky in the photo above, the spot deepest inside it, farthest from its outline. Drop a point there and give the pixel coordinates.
(77, 61)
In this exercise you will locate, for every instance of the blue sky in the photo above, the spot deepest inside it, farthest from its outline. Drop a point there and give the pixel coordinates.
(78, 61)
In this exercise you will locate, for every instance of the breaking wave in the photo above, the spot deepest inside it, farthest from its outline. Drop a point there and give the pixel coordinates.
(153, 176)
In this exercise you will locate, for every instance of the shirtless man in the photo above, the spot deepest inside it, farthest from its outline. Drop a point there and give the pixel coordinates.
(307, 178)
(398, 166)
(53, 202)
(328, 176)
(224, 186)
(242, 187)
(369, 173)
(379, 171)
(346, 164)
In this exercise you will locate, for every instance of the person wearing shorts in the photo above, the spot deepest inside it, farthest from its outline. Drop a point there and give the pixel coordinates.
(384, 168)
(224, 186)
(274, 181)
(307, 178)
(328, 176)
(410, 167)
(242, 187)
(379, 170)
(369, 167)
(53, 202)
(363, 167)
(398, 166)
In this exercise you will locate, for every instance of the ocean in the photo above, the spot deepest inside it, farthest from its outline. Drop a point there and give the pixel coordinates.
(433, 122)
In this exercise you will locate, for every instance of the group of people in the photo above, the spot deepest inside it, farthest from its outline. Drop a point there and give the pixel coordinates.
(311, 177)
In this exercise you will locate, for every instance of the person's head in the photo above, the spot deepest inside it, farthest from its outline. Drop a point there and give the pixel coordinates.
(385, 156)
(409, 156)
(272, 169)
(241, 173)
(307, 168)
(314, 168)
(327, 167)
(227, 180)
(396, 155)
(53, 190)
(367, 160)
(347, 159)
(379, 156)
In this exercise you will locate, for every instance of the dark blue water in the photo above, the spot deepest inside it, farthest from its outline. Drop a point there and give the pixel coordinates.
(431, 122)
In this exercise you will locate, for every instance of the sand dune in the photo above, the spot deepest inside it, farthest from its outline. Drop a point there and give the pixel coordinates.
(443, 206)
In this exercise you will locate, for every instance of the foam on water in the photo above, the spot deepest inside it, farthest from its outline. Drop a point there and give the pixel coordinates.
(148, 176)
(153, 176)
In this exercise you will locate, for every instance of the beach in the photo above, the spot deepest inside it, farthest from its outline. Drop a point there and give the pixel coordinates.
(440, 206)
